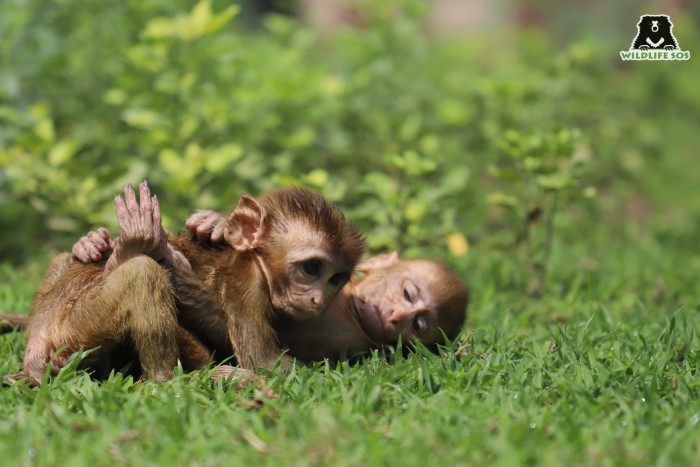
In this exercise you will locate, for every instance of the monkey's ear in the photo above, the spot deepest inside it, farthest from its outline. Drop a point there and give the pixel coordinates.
(378, 262)
(245, 226)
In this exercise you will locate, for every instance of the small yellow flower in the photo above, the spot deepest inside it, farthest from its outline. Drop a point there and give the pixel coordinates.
(457, 244)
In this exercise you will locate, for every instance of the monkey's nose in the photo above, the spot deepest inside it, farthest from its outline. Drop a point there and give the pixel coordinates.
(316, 299)
(397, 315)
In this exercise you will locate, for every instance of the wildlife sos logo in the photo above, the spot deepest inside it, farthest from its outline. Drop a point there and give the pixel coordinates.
(655, 41)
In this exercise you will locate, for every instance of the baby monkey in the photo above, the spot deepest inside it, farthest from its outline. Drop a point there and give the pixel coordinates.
(290, 253)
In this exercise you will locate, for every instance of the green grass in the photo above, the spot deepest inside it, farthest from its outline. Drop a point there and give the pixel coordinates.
(601, 369)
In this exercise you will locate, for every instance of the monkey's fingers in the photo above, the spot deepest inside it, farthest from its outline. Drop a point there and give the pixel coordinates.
(122, 214)
(85, 252)
(104, 233)
(130, 197)
(98, 240)
(156, 217)
(195, 219)
(217, 235)
(207, 226)
(204, 230)
(146, 212)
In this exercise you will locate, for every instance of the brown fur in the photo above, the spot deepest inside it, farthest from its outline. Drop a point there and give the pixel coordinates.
(452, 295)
(289, 204)
(82, 309)
(239, 283)
(142, 298)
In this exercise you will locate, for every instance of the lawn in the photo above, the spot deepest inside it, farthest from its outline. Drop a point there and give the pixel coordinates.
(600, 370)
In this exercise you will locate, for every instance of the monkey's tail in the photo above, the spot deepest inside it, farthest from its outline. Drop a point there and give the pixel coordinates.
(13, 322)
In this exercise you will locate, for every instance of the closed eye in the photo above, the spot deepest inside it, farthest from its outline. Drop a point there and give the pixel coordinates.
(410, 292)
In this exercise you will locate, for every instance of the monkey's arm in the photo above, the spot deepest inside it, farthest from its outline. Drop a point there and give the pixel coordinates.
(249, 314)
(199, 310)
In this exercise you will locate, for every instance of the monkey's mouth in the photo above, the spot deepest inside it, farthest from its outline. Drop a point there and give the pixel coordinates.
(369, 321)
(299, 314)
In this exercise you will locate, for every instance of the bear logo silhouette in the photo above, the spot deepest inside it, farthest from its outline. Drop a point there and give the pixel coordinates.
(654, 32)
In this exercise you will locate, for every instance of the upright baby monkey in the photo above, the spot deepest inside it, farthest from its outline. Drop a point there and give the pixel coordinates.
(290, 253)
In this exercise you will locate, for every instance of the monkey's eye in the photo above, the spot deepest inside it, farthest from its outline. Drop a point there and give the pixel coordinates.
(420, 324)
(311, 267)
(339, 279)
(409, 292)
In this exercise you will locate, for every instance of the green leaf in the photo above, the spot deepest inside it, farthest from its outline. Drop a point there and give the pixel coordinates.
(44, 129)
(317, 178)
(160, 28)
(221, 157)
(507, 175)
(456, 179)
(142, 118)
(221, 19)
(62, 152)
(501, 199)
(555, 182)
(195, 25)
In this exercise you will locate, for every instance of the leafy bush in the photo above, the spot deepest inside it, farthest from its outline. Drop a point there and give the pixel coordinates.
(398, 128)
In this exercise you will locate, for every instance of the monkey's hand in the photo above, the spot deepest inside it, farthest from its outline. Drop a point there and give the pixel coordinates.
(97, 243)
(93, 246)
(141, 232)
(207, 226)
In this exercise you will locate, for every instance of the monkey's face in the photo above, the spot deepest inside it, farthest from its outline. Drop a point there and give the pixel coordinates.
(398, 301)
(302, 273)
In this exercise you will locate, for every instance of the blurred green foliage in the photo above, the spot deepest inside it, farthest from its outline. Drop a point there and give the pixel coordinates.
(399, 129)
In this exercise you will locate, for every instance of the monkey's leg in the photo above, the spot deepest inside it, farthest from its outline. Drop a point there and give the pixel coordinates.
(38, 350)
(135, 298)
(193, 354)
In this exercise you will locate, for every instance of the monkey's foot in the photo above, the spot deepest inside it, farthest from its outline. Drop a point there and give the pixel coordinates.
(13, 379)
(240, 378)
(235, 375)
